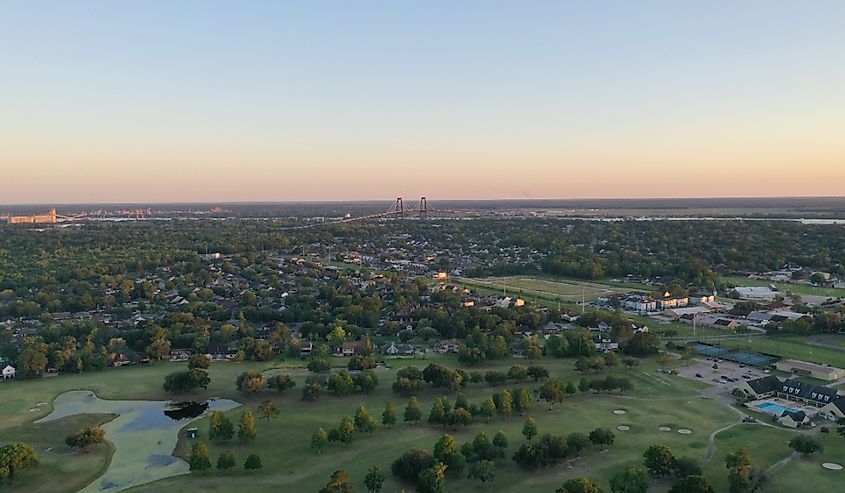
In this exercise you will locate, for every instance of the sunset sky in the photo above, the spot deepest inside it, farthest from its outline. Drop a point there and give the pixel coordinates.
(154, 101)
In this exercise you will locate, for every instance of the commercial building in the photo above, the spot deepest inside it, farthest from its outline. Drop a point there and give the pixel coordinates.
(806, 369)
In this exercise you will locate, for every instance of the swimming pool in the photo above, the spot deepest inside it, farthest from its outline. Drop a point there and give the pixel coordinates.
(776, 409)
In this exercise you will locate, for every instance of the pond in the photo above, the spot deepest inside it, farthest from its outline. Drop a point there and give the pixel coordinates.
(144, 435)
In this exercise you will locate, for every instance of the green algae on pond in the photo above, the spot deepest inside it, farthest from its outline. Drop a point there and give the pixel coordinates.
(144, 435)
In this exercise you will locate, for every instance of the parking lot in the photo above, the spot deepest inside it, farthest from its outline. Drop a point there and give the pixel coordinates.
(728, 374)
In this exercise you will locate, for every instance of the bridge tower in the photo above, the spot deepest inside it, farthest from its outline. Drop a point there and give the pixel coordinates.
(400, 207)
(423, 208)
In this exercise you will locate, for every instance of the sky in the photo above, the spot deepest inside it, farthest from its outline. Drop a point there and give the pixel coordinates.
(230, 101)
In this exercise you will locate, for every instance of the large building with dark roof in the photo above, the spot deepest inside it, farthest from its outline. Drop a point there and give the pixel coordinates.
(830, 402)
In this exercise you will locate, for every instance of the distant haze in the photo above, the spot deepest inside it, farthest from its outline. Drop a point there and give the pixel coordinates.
(120, 102)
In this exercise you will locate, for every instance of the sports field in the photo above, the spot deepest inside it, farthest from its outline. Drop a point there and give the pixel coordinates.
(565, 290)
(802, 289)
(289, 463)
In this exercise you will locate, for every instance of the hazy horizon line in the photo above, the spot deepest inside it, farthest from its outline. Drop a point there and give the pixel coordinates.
(414, 198)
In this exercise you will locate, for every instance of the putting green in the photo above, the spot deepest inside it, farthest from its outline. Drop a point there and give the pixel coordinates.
(143, 436)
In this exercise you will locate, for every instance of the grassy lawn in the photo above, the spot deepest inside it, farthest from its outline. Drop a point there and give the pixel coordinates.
(61, 469)
(284, 443)
(795, 475)
(802, 289)
(547, 288)
(767, 445)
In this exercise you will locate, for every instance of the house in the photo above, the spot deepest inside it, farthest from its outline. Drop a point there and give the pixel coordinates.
(9, 372)
(794, 419)
(179, 355)
(448, 346)
(349, 348)
(398, 349)
(604, 344)
(306, 349)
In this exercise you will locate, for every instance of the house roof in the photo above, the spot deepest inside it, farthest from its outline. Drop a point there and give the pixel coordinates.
(816, 393)
(765, 384)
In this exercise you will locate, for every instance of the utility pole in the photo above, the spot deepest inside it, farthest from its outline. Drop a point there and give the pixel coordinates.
(583, 300)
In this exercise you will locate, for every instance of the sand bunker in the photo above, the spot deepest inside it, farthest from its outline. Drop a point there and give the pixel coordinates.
(665, 428)
(832, 466)
(623, 428)
(143, 437)
(619, 411)
(685, 431)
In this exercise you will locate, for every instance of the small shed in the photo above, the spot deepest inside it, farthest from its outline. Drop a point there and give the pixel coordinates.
(192, 432)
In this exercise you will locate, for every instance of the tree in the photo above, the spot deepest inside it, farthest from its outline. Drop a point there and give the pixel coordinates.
(579, 485)
(267, 410)
(363, 421)
(488, 408)
(438, 412)
(319, 365)
(199, 461)
(537, 372)
(602, 437)
(252, 463)
(446, 451)
(199, 361)
(411, 464)
(522, 401)
(388, 417)
(686, 466)
(805, 445)
(186, 381)
(659, 460)
(483, 471)
(552, 392)
(517, 373)
(225, 461)
(742, 475)
(500, 441)
(319, 440)
(281, 382)
(691, 484)
(311, 392)
(220, 428)
(246, 427)
(529, 429)
(505, 406)
(632, 480)
(374, 480)
(338, 483)
(86, 437)
(346, 431)
(341, 383)
(432, 479)
(413, 413)
(570, 389)
(458, 417)
(630, 362)
(15, 458)
(250, 381)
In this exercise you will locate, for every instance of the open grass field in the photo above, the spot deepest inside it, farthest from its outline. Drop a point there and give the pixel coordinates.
(802, 289)
(284, 443)
(546, 288)
(806, 473)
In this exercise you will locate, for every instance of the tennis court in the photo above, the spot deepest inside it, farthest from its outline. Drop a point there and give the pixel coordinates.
(743, 357)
